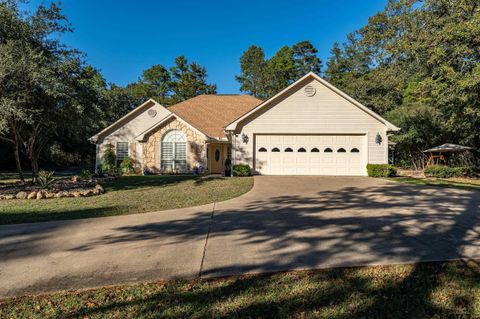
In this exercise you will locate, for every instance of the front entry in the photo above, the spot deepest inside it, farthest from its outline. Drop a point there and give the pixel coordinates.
(215, 158)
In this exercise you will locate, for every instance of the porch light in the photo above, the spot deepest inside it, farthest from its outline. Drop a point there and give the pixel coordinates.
(378, 139)
(245, 138)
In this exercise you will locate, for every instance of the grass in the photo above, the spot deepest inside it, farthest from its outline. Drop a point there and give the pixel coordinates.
(440, 290)
(128, 195)
(456, 182)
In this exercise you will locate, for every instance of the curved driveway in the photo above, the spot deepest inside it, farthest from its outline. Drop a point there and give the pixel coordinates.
(283, 223)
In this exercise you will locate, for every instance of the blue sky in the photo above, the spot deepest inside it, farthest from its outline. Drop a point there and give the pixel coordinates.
(122, 38)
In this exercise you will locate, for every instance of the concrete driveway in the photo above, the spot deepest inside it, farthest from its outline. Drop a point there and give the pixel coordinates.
(283, 223)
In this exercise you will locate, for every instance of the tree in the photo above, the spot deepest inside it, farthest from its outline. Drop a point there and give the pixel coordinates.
(264, 78)
(47, 94)
(189, 80)
(156, 83)
(28, 57)
(281, 70)
(18, 72)
(254, 77)
(306, 59)
(417, 55)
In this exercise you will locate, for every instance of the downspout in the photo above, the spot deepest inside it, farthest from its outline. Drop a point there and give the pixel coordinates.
(234, 159)
(234, 150)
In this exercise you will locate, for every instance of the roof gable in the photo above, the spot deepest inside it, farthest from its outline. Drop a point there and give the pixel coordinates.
(210, 113)
(134, 122)
(295, 87)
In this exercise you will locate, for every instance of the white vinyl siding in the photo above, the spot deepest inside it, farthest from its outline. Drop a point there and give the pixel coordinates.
(325, 113)
(128, 129)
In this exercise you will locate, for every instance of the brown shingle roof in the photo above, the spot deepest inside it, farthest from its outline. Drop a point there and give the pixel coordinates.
(210, 113)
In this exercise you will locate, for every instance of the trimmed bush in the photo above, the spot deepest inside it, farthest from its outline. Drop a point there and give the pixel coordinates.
(441, 171)
(127, 166)
(241, 170)
(381, 170)
(108, 160)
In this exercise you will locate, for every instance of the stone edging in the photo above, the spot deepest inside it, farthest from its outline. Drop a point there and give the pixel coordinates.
(45, 194)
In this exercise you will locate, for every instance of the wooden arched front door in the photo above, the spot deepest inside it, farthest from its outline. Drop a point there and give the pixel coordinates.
(215, 158)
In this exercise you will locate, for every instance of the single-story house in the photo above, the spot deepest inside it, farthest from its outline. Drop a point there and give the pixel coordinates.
(309, 128)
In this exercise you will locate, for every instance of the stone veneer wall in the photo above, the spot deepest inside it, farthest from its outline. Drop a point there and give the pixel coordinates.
(196, 147)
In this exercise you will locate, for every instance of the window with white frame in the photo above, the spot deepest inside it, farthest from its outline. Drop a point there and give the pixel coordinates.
(173, 152)
(122, 151)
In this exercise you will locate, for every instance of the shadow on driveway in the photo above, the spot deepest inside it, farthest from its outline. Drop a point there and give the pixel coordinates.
(375, 223)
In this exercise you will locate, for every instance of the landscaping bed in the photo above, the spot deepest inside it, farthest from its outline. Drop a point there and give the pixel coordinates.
(425, 290)
(62, 187)
(128, 195)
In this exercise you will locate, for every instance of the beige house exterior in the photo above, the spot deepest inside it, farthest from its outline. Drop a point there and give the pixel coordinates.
(309, 128)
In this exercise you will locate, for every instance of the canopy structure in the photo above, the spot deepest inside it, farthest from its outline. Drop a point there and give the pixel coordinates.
(448, 148)
(437, 154)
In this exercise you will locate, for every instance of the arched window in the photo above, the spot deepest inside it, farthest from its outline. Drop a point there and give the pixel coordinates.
(341, 150)
(328, 150)
(275, 150)
(301, 150)
(262, 149)
(314, 150)
(354, 150)
(173, 151)
(288, 150)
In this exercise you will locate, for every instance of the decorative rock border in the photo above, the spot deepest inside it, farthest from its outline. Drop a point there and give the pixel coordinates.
(46, 194)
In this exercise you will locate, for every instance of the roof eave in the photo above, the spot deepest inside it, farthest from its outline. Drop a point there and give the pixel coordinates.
(390, 127)
(94, 139)
(141, 137)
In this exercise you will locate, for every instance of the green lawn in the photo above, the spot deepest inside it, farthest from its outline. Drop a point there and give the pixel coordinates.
(128, 195)
(461, 183)
(440, 290)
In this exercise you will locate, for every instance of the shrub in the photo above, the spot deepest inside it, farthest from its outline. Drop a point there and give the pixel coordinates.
(86, 174)
(381, 170)
(45, 179)
(441, 171)
(108, 160)
(241, 170)
(127, 166)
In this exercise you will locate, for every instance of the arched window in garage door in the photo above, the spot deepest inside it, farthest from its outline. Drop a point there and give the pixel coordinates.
(341, 150)
(262, 149)
(314, 150)
(354, 150)
(288, 150)
(275, 150)
(301, 150)
(328, 150)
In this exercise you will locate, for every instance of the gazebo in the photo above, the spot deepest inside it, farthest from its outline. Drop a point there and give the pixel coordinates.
(439, 155)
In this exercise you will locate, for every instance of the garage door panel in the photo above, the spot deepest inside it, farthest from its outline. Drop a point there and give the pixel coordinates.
(302, 161)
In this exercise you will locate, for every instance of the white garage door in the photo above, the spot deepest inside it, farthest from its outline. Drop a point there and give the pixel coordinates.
(310, 154)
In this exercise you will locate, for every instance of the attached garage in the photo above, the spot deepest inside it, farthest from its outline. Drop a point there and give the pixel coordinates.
(310, 154)
(310, 128)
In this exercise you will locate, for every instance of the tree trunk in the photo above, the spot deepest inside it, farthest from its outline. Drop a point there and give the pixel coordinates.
(16, 151)
(18, 163)
(34, 163)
